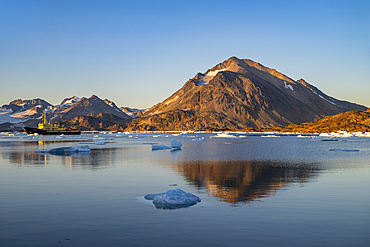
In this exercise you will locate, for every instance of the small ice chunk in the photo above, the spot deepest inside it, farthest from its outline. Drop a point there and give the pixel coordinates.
(100, 143)
(225, 135)
(97, 138)
(160, 147)
(173, 199)
(176, 144)
(80, 148)
(198, 139)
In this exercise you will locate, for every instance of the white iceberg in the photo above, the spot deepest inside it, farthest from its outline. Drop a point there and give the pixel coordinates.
(198, 139)
(225, 135)
(173, 199)
(175, 144)
(65, 150)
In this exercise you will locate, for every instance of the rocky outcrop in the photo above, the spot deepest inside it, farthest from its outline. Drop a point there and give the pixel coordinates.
(351, 121)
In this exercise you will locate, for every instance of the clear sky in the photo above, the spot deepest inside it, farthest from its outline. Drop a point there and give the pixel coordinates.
(137, 53)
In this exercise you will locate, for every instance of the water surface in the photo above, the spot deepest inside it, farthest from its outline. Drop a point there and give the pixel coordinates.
(284, 191)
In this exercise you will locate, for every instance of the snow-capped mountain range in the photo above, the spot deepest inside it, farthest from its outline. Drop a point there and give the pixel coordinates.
(20, 113)
(234, 94)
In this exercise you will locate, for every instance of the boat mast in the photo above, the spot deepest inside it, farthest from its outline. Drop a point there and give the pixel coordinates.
(44, 117)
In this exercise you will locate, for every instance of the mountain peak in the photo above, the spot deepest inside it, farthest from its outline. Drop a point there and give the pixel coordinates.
(239, 93)
(71, 100)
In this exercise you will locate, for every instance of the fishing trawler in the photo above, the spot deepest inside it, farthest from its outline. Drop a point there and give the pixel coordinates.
(47, 128)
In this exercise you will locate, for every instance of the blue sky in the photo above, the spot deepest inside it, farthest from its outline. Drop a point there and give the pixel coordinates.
(137, 53)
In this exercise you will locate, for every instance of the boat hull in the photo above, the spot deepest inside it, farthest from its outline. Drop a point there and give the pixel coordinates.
(31, 130)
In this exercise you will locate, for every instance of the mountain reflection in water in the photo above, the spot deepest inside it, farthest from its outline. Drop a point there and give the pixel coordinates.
(245, 181)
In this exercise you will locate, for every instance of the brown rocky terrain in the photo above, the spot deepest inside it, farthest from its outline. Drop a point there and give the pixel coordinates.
(93, 105)
(100, 122)
(351, 121)
(240, 93)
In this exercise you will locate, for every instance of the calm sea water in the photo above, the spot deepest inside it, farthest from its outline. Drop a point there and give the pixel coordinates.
(256, 191)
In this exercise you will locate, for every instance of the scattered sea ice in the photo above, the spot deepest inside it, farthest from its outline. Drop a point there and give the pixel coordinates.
(198, 139)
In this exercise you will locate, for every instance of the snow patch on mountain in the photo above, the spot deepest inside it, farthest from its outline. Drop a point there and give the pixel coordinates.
(133, 112)
(27, 113)
(208, 77)
(6, 117)
(288, 86)
(68, 102)
(326, 99)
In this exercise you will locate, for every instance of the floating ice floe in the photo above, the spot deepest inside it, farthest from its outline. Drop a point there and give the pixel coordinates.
(328, 139)
(96, 143)
(175, 145)
(225, 135)
(97, 138)
(343, 149)
(198, 139)
(8, 136)
(100, 143)
(160, 147)
(173, 199)
(65, 150)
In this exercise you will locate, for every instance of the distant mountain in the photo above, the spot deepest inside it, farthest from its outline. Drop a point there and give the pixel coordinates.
(27, 108)
(240, 93)
(92, 105)
(20, 113)
(101, 121)
(132, 112)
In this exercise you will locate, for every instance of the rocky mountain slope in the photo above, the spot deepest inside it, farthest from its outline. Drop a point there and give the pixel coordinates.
(240, 93)
(133, 112)
(351, 121)
(100, 122)
(92, 105)
(27, 108)
(97, 113)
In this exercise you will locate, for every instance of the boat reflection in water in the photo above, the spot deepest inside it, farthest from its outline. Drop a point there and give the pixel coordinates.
(245, 181)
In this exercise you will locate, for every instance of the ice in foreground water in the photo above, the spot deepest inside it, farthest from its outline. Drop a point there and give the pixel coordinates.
(173, 199)
(65, 150)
